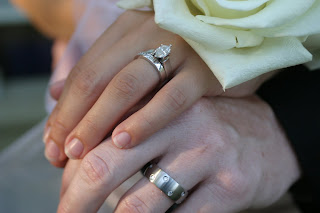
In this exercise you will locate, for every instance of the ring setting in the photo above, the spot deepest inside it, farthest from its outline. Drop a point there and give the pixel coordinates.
(159, 59)
(162, 53)
(165, 183)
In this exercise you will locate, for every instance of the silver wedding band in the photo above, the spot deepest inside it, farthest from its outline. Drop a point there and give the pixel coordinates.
(165, 183)
(159, 59)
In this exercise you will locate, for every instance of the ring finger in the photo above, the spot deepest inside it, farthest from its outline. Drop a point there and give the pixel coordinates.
(145, 196)
(126, 89)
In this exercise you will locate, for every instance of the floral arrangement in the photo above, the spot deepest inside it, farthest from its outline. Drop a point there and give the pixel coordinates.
(242, 39)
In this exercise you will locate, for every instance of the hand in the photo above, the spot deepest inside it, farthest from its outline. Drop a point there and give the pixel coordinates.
(230, 154)
(107, 82)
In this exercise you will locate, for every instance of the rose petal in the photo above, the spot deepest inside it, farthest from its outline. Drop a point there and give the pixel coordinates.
(202, 6)
(276, 13)
(134, 4)
(216, 10)
(235, 66)
(313, 45)
(315, 63)
(292, 20)
(307, 24)
(241, 5)
(170, 14)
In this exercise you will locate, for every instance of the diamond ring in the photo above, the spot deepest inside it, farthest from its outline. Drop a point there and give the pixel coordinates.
(159, 59)
(165, 183)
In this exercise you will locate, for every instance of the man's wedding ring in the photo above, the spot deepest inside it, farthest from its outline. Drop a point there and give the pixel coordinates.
(159, 59)
(165, 183)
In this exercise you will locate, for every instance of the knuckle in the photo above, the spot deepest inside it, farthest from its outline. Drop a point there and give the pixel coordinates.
(147, 122)
(59, 124)
(206, 209)
(59, 130)
(204, 149)
(84, 79)
(89, 126)
(234, 184)
(175, 99)
(201, 109)
(149, 26)
(127, 15)
(95, 170)
(64, 207)
(133, 204)
(125, 85)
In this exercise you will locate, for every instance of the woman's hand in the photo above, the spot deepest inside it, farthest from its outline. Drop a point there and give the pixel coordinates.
(230, 154)
(107, 82)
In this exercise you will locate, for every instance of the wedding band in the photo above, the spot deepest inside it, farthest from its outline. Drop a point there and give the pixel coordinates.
(165, 183)
(159, 59)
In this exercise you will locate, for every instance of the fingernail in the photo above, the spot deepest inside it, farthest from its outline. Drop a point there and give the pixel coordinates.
(122, 139)
(52, 151)
(46, 135)
(74, 149)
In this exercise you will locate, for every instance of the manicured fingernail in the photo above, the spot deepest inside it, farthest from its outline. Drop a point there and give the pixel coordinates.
(122, 139)
(52, 151)
(74, 149)
(46, 135)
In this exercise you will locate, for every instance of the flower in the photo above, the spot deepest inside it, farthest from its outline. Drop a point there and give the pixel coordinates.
(242, 39)
(134, 4)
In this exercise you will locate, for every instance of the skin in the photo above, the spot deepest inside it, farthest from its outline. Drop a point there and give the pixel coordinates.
(230, 154)
(54, 19)
(107, 81)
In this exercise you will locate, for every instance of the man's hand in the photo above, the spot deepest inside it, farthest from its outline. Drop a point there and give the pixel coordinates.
(230, 154)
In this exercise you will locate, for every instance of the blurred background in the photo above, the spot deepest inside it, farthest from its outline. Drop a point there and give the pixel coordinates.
(28, 183)
(25, 66)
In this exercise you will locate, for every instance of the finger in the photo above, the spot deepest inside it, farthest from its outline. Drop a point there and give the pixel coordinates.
(175, 97)
(146, 197)
(143, 197)
(209, 198)
(68, 174)
(103, 170)
(124, 91)
(83, 87)
(56, 89)
(201, 200)
(184, 166)
(60, 164)
(116, 31)
(121, 94)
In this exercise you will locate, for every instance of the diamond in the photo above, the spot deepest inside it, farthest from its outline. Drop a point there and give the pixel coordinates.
(165, 178)
(170, 193)
(162, 51)
(152, 177)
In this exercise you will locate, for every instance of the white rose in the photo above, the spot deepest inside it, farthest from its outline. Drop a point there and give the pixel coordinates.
(242, 39)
